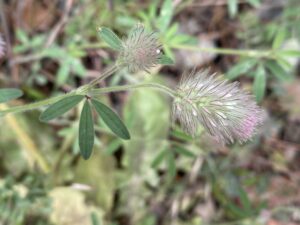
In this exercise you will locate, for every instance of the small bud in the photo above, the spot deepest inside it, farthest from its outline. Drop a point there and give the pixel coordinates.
(2, 46)
(222, 108)
(140, 51)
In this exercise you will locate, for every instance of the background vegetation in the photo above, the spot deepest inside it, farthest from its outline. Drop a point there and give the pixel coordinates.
(161, 176)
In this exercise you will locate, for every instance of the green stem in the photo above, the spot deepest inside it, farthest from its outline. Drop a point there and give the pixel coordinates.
(84, 90)
(35, 105)
(23, 108)
(227, 51)
(111, 70)
(80, 91)
(100, 91)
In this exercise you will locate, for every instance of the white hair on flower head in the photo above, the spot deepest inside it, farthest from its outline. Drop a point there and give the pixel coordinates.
(140, 51)
(223, 109)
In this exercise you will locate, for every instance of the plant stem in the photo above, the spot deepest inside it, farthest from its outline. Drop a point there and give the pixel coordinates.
(35, 105)
(80, 91)
(111, 70)
(100, 91)
(84, 90)
(227, 51)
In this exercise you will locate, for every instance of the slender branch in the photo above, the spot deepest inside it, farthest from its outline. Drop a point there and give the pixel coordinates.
(100, 91)
(227, 51)
(88, 89)
(32, 106)
(111, 70)
(80, 91)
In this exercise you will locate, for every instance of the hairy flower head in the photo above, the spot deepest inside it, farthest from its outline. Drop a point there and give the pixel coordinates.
(140, 51)
(2, 46)
(223, 109)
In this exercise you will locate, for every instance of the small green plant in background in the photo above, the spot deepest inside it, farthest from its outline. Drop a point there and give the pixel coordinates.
(20, 202)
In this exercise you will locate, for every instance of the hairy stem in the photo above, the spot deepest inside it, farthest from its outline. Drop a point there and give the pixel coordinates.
(31, 106)
(111, 70)
(100, 91)
(227, 51)
(83, 90)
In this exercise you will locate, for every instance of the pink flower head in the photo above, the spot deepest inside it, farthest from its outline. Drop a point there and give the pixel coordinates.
(141, 50)
(223, 109)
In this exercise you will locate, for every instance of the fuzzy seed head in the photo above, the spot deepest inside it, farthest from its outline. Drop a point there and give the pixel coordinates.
(2, 46)
(141, 50)
(223, 109)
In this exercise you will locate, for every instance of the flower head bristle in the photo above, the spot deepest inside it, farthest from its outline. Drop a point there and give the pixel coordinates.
(140, 51)
(223, 109)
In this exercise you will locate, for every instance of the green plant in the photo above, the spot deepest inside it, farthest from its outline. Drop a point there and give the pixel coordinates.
(197, 100)
(23, 201)
(130, 58)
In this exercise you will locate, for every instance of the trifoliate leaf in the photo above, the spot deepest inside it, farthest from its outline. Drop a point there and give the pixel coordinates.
(60, 107)
(110, 38)
(112, 120)
(7, 94)
(86, 131)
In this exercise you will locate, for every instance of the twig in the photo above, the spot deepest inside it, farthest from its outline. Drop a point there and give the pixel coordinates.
(54, 33)
(13, 69)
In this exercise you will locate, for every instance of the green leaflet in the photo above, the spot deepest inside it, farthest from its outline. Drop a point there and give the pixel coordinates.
(260, 81)
(86, 131)
(159, 158)
(112, 120)
(184, 152)
(278, 71)
(165, 60)
(7, 94)
(241, 68)
(279, 38)
(110, 38)
(60, 107)
(95, 219)
(165, 16)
